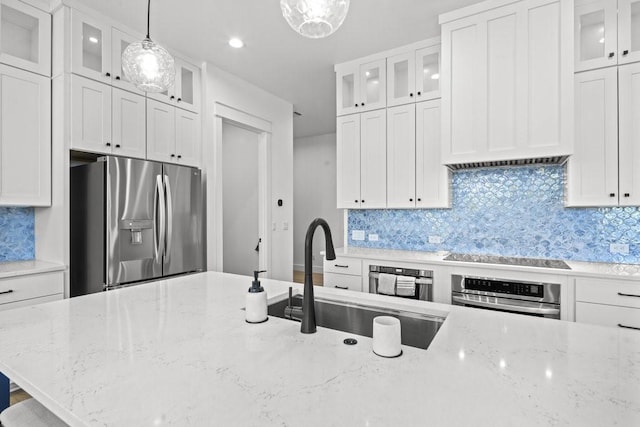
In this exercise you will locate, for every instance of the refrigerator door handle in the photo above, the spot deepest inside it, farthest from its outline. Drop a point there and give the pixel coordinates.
(159, 218)
(169, 218)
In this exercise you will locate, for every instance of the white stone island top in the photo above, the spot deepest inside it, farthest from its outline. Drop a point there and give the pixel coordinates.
(589, 269)
(23, 268)
(179, 353)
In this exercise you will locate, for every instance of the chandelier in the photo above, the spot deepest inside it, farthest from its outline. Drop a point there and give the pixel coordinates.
(315, 18)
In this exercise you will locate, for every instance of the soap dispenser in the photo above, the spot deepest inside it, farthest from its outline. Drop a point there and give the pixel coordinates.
(256, 306)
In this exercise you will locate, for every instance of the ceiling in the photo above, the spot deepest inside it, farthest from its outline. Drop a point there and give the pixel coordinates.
(275, 58)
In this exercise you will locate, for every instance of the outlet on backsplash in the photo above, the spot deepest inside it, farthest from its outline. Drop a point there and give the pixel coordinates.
(619, 248)
(373, 237)
(357, 235)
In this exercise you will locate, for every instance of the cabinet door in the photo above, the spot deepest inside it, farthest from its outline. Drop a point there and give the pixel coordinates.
(161, 131)
(428, 73)
(119, 42)
(433, 181)
(342, 281)
(90, 47)
(25, 40)
(592, 171)
(628, 31)
(348, 161)
(129, 124)
(348, 97)
(401, 79)
(90, 115)
(373, 159)
(187, 86)
(463, 63)
(188, 131)
(629, 131)
(608, 315)
(373, 85)
(25, 138)
(595, 34)
(401, 155)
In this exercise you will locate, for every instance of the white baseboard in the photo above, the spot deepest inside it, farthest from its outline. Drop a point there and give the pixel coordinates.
(316, 268)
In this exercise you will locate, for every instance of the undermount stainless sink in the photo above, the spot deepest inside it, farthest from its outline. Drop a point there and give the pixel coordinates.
(418, 330)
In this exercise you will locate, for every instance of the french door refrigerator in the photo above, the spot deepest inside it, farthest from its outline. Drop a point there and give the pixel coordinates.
(133, 221)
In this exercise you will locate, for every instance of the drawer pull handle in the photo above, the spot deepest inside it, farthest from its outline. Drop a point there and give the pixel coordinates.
(341, 287)
(341, 266)
(628, 295)
(10, 291)
(620, 325)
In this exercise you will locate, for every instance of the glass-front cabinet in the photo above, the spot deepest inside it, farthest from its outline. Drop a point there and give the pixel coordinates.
(413, 76)
(428, 73)
(90, 47)
(361, 87)
(25, 37)
(119, 42)
(606, 33)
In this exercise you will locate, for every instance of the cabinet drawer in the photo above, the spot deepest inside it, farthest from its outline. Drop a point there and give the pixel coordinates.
(28, 287)
(342, 281)
(32, 301)
(600, 291)
(343, 265)
(607, 315)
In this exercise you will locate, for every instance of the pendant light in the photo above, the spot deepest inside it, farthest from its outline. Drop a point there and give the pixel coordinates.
(315, 18)
(148, 66)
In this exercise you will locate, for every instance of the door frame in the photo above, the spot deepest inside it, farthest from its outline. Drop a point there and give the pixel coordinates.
(263, 128)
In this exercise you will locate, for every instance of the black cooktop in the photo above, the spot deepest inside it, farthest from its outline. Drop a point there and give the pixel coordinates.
(524, 262)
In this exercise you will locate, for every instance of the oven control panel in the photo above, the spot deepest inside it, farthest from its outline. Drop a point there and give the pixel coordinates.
(504, 287)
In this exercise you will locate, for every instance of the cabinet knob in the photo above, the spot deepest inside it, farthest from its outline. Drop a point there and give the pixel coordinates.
(362, 104)
(179, 156)
(625, 52)
(612, 54)
(411, 95)
(419, 93)
(612, 194)
(117, 77)
(411, 200)
(172, 97)
(356, 201)
(117, 145)
(107, 74)
(179, 99)
(362, 201)
(173, 155)
(419, 200)
(356, 105)
(627, 195)
(108, 144)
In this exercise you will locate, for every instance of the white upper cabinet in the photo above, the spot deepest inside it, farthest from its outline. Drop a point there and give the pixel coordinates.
(119, 42)
(629, 133)
(174, 135)
(401, 156)
(507, 83)
(129, 130)
(25, 138)
(188, 145)
(25, 37)
(606, 32)
(348, 161)
(361, 87)
(90, 47)
(185, 92)
(413, 76)
(433, 180)
(592, 170)
(90, 115)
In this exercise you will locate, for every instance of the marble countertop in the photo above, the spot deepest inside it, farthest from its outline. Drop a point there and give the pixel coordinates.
(590, 269)
(23, 268)
(179, 353)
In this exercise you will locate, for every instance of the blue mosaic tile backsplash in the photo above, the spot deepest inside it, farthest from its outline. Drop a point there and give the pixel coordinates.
(17, 236)
(509, 212)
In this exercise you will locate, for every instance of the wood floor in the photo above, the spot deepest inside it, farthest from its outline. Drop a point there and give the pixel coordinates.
(298, 277)
(18, 396)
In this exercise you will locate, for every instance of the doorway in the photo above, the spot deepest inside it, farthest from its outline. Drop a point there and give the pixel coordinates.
(241, 238)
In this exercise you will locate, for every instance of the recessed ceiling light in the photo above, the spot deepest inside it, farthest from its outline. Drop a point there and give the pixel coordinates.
(93, 39)
(236, 42)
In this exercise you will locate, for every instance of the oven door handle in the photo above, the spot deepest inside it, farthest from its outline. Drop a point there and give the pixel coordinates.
(509, 307)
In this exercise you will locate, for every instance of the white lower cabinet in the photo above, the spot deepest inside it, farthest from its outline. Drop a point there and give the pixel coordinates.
(362, 160)
(31, 289)
(608, 303)
(25, 138)
(173, 134)
(343, 273)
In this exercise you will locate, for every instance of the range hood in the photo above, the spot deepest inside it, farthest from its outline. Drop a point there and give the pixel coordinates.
(551, 160)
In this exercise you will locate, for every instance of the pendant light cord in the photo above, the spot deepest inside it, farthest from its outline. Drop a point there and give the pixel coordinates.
(148, 15)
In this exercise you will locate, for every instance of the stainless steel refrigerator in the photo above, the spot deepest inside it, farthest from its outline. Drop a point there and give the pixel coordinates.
(133, 221)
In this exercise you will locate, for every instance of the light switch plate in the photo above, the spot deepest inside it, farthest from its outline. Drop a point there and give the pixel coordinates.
(357, 235)
(619, 248)
(373, 237)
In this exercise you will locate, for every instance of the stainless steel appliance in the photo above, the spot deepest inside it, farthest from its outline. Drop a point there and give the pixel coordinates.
(133, 221)
(530, 298)
(424, 280)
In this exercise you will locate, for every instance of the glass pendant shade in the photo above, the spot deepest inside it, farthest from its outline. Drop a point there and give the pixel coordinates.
(148, 66)
(315, 18)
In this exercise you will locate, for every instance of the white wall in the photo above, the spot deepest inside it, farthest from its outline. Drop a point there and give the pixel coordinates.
(221, 87)
(314, 166)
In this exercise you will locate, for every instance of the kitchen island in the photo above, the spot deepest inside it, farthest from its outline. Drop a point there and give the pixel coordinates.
(179, 352)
